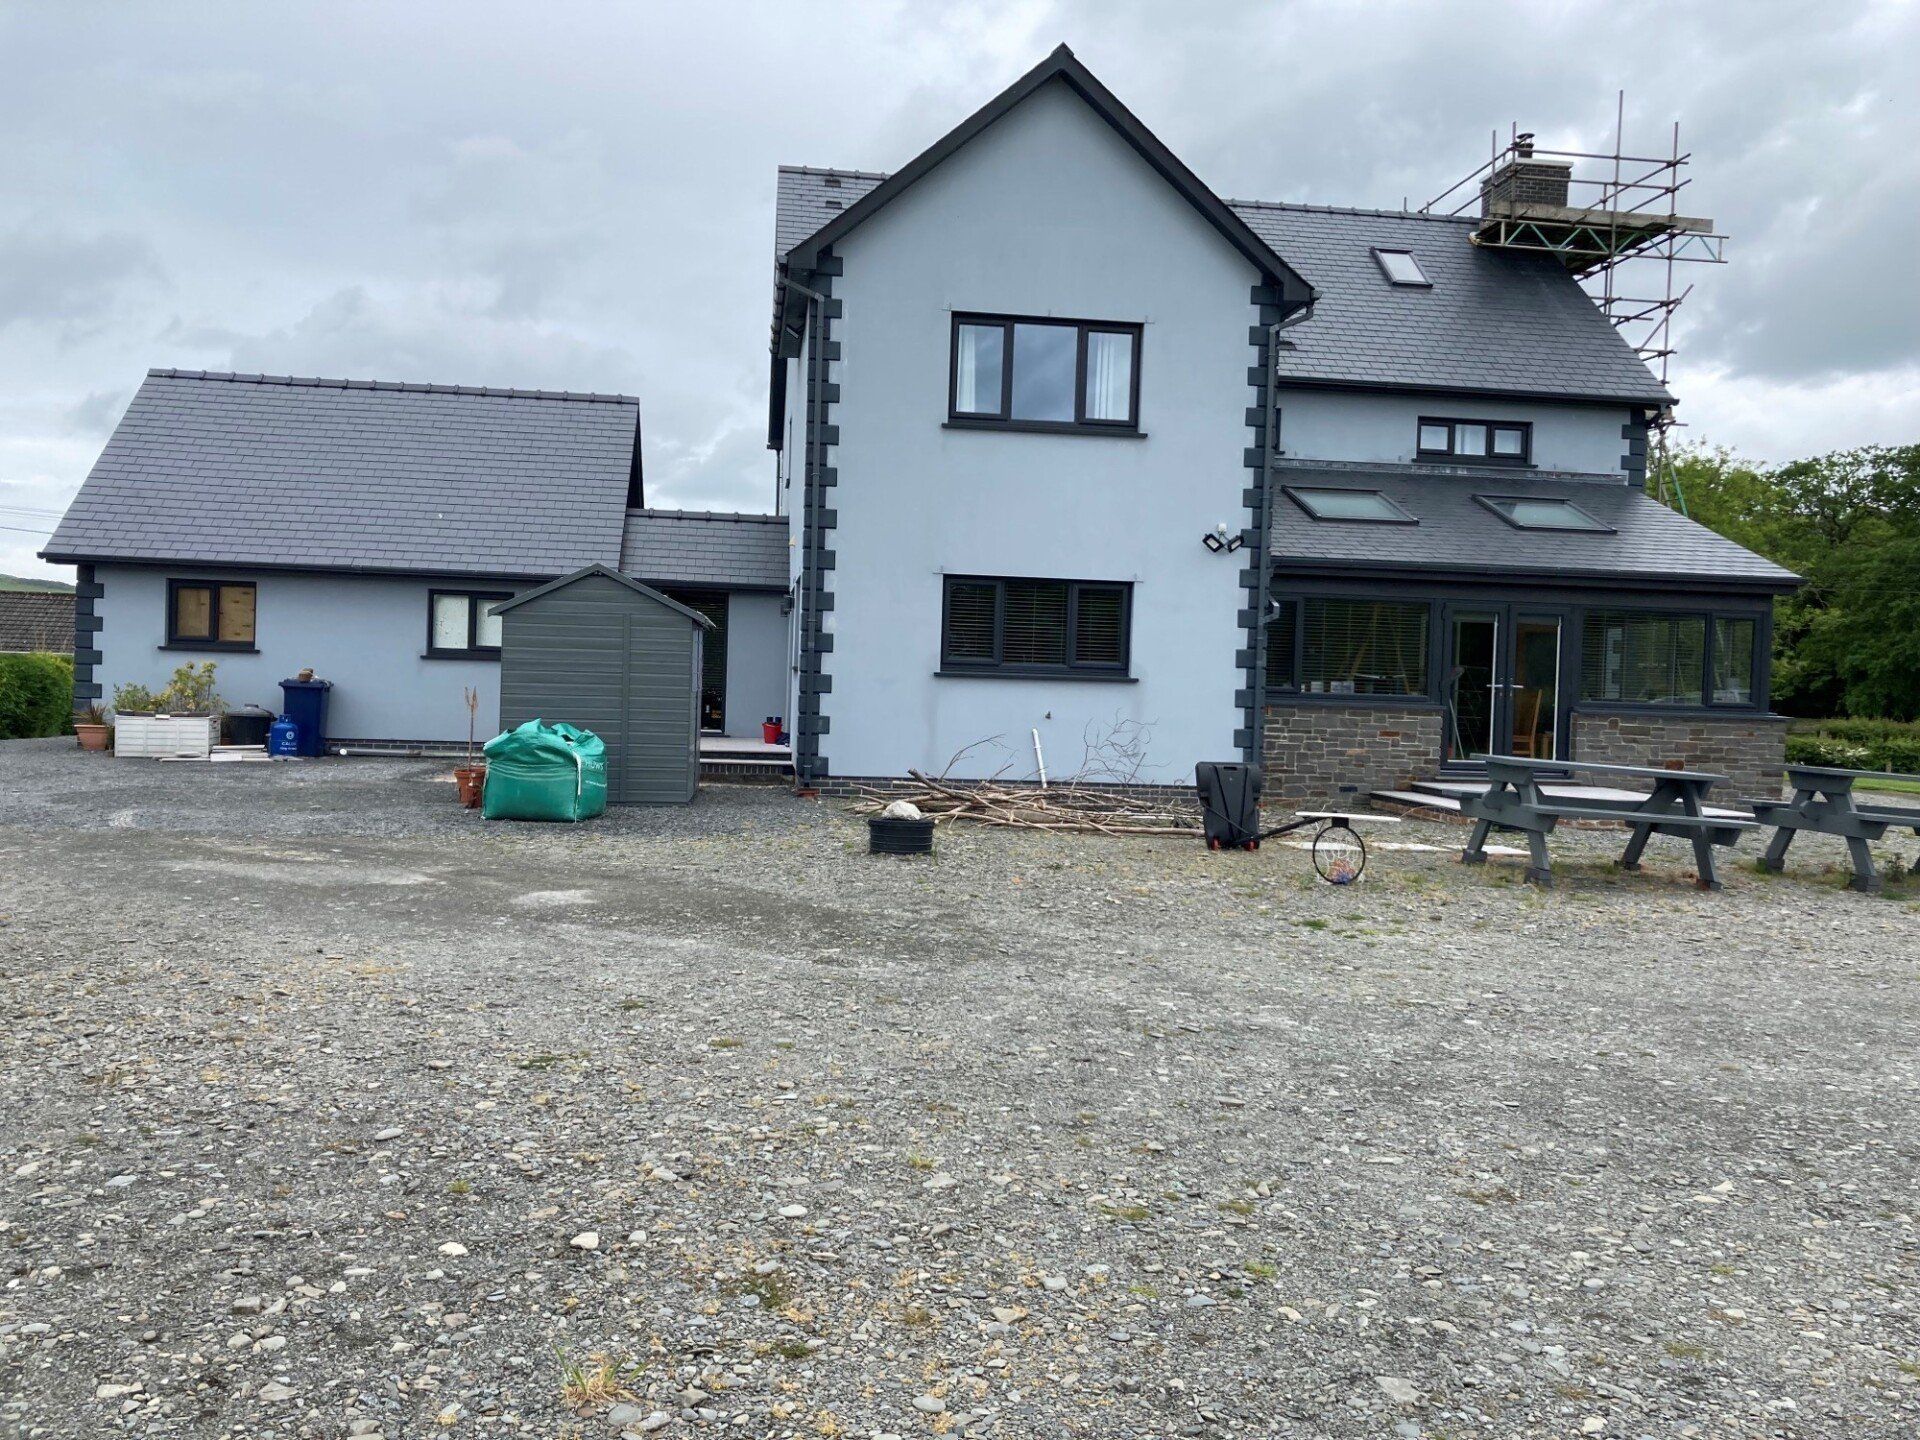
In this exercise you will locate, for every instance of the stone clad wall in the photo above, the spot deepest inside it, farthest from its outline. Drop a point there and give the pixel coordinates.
(1748, 749)
(1324, 752)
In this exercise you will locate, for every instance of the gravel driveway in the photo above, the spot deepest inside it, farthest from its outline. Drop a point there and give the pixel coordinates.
(327, 1109)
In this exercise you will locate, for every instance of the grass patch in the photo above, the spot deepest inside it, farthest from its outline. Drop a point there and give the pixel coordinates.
(548, 1061)
(633, 1004)
(594, 1382)
(725, 1042)
(1685, 1350)
(1261, 1270)
(917, 1161)
(1237, 1207)
(460, 1187)
(774, 1291)
(1131, 1213)
(792, 1349)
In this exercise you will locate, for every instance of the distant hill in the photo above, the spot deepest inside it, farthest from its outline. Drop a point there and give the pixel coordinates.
(21, 582)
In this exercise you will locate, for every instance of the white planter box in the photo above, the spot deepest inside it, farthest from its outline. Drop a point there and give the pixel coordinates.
(156, 737)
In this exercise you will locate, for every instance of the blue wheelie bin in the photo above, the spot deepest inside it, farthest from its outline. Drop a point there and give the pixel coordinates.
(304, 702)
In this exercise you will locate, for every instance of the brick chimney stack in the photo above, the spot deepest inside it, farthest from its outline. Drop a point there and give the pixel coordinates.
(1525, 180)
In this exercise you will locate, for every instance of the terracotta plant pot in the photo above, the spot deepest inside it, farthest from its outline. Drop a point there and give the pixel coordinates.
(91, 737)
(470, 779)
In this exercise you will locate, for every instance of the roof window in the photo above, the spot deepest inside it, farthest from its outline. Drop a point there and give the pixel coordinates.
(1401, 268)
(1364, 505)
(1529, 513)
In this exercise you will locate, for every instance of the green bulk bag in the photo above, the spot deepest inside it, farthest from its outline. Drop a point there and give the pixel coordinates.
(545, 772)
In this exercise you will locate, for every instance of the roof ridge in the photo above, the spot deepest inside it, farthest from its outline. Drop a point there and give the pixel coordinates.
(1351, 210)
(832, 170)
(409, 387)
(705, 514)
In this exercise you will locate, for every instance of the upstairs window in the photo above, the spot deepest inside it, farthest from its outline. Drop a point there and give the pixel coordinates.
(459, 626)
(1484, 442)
(1035, 627)
(210, 614)
(1401, 268)
(1044, 374)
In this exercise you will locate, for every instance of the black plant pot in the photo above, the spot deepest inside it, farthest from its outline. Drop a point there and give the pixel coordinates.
(899, 837)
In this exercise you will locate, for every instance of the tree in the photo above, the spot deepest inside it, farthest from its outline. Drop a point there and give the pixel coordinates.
(1849, 641)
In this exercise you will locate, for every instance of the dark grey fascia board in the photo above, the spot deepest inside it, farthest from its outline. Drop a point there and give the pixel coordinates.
(1561, 579)
(1293, 288)
(587, 572)
(228, 565)
(1481, 392)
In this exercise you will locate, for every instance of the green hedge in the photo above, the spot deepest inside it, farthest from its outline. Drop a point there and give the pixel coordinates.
(1856, 744)
(36, 695)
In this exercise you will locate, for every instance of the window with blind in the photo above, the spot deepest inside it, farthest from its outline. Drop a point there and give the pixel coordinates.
(1733, 660)
(1326, 646)
(1640, 658)
(210, 614)
(1035, 627)
(1044, 374)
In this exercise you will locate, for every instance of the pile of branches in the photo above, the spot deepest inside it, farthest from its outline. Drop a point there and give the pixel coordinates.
(1068, 806)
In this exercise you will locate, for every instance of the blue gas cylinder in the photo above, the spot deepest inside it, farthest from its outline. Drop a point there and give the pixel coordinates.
(283, 737)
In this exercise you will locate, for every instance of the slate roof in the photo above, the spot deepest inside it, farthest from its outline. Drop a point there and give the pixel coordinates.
(699, 547)
(36, 620)
(1494, 321)
(334, 474)
(1500, 321)
(1458, 535)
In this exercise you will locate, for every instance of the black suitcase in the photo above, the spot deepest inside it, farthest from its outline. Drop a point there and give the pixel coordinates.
(1229, 803)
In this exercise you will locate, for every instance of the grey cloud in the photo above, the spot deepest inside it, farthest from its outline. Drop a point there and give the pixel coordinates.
(69, 280)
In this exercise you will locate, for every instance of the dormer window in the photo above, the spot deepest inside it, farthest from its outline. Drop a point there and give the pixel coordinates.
(1401, 268)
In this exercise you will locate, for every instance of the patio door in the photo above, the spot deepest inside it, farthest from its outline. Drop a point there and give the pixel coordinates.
(1502, 684)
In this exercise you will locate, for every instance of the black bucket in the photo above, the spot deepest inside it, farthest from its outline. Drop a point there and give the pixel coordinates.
(899, 837)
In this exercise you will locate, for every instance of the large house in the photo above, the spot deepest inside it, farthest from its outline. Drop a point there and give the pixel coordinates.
(1079, 465)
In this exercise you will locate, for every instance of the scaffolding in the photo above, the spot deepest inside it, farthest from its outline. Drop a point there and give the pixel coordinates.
(1619, 232)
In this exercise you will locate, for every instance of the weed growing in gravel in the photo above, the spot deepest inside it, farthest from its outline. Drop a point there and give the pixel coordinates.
(597, 1381)
(725, 1042)
(792, 1349)
(774, 1291)
(633, 1004)
(1685, 1350)
(917, 1161)
(548, 1061)
(1261, 1270)
(460, 1187)
(1134, 1213)
(1237, 1207)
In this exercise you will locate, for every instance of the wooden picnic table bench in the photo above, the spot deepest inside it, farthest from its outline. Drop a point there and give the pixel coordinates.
(1823, 802)
(1676, 806)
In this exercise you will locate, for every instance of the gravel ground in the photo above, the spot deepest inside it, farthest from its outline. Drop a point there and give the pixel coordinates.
(326, 1109)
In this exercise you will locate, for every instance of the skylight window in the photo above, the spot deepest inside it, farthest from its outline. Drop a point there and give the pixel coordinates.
(1401, 268)
(1527, 513)
(1365, 505)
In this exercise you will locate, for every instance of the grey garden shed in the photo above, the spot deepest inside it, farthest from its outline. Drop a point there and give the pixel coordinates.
(604, 652)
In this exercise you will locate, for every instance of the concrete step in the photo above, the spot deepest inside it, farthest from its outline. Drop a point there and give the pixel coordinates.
(1418, 798)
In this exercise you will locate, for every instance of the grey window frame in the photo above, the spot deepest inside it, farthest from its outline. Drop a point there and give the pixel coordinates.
(211, 640)
(1291, 613)
(1522, 461)
(1071, 668)
(1003, 419)
(1380, 252)
(475, 600)
(1301, 495)
(1757, 669)
(1598, 527)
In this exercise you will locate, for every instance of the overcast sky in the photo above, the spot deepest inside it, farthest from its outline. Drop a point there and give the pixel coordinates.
(580, 196)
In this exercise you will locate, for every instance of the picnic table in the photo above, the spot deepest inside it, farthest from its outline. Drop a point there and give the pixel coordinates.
(1823, 802)
(1676, 806)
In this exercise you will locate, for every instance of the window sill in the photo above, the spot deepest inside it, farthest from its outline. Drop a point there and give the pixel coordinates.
(1725, 709)
(460, 655)
(1503, 462)
(1094, 675)
(213, 647)
(1045, 427)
